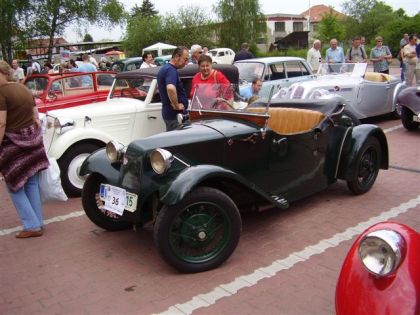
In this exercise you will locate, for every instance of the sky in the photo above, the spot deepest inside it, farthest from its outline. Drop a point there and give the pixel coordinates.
(411, 7)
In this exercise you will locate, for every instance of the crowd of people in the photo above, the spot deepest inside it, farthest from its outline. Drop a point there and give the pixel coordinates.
(380, 56)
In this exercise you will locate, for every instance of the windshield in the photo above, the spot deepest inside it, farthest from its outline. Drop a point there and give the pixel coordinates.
(219, 98)
(137, 88)
(248, 71)
(350, 69)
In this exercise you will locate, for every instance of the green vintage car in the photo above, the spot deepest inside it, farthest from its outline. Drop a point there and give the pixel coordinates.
(192, 184)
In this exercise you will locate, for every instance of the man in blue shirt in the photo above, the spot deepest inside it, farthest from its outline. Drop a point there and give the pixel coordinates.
(335, 53)
(172, 93)
(251, 90)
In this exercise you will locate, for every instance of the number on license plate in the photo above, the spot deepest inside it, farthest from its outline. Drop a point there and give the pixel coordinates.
(117, 199)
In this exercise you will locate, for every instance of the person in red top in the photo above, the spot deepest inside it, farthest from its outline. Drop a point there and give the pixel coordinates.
(218, 84)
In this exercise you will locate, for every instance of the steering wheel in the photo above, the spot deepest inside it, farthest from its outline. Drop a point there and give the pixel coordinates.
(219, 101)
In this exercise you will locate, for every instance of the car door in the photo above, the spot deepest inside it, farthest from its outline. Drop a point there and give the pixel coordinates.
(374, 98)
(149, 119)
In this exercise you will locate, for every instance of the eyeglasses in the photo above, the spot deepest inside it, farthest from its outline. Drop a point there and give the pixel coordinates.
(379, 41)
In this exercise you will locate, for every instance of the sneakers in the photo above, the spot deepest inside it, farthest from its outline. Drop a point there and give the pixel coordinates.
(29, 233)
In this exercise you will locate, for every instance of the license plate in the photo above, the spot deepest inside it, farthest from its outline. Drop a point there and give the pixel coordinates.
(117, 199)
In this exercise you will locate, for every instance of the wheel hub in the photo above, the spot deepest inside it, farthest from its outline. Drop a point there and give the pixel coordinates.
(196, 229)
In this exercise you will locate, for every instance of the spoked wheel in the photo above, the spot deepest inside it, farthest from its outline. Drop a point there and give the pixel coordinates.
(200, 232)
(367, 167)
(407, 119)
(93, 206)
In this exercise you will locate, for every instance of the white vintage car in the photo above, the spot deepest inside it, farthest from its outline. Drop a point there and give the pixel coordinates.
(222, 55)
(367, 94)
(131, 111)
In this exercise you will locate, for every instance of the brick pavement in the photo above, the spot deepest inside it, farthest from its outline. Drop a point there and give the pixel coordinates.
(77, 268)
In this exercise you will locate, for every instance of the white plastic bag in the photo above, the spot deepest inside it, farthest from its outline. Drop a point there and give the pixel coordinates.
(50, 187)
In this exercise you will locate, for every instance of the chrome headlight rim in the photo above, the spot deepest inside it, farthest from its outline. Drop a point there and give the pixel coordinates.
(115, 151)
(63, 124)
(161, 160)
(381, 252)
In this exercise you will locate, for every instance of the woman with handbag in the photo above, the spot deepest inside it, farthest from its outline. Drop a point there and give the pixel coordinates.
(22, 153)
(215, 83)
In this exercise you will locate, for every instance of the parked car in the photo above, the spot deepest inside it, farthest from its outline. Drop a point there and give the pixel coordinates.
(131, 111)
(127, 64)
(409, 100)
(381, 273)
(192, 183)
(367, 94)
(275, 72)
(69, 89)
(161, 60)
(222, 55)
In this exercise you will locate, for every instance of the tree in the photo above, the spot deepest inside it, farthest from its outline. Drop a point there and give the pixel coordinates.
(12, 20)
(189, 26)
(329, 27)
(53, 16)
(240, 21)
(147, 9)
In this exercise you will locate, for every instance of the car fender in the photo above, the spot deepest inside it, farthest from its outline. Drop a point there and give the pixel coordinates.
(352, 146)
(73, 136)
(400, 86)
(192, 177)
(98, 162)
(358, 292)
(410, 98)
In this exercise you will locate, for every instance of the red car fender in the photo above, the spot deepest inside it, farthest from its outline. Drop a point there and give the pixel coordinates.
(359, 292)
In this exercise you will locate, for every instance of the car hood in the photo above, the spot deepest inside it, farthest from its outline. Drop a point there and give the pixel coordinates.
(197, 132)
(330, 81)
(105, 108)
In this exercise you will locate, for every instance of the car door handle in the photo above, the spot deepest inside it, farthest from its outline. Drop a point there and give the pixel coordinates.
(151, 117)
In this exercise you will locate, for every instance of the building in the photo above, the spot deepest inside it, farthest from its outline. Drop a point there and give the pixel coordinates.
(295, 30)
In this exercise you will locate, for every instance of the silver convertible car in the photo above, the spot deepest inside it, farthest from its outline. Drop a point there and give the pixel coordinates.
(277, 72)
(367, 94)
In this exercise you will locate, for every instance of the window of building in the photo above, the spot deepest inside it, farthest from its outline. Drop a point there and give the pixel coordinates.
(315, 27)
(279, 27)
(297, 26)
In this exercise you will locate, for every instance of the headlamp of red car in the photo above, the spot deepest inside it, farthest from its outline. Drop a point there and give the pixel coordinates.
(382, 251)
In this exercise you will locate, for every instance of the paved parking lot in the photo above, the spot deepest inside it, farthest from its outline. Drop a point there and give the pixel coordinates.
(287, 261)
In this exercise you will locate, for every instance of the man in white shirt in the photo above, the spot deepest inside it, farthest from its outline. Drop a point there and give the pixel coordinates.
(148, 61)
(410, 60)
(314, 55)
(18, 74)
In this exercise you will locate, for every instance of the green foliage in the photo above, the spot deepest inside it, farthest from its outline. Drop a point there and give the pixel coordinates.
(240, 21)
(189, 26)
(87, 38)
(329, 27)
(147, 9)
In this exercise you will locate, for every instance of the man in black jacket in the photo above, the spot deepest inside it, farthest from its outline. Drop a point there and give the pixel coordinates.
(244, 53)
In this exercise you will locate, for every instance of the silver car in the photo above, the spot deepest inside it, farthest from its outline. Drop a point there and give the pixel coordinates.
(367, 94)
(277, 72)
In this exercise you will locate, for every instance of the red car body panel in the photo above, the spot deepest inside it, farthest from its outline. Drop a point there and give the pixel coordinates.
(63, 94)
(359, 292)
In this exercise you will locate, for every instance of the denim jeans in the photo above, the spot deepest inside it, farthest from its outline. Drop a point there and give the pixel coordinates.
(28, 204)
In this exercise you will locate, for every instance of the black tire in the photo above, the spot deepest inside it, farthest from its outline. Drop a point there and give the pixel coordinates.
(70, 163)
(352, 116)
(367, 167)
(200, 232)
(91, 205)
(407, 119)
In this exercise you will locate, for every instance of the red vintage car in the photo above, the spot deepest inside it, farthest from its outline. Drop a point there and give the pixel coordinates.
(381, 273)
(68, 89)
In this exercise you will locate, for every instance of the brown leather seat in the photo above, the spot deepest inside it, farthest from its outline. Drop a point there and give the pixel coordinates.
(377, 77)
(284, 120)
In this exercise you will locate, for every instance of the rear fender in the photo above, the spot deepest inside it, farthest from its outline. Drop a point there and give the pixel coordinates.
(191, 177)
(352, 146)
